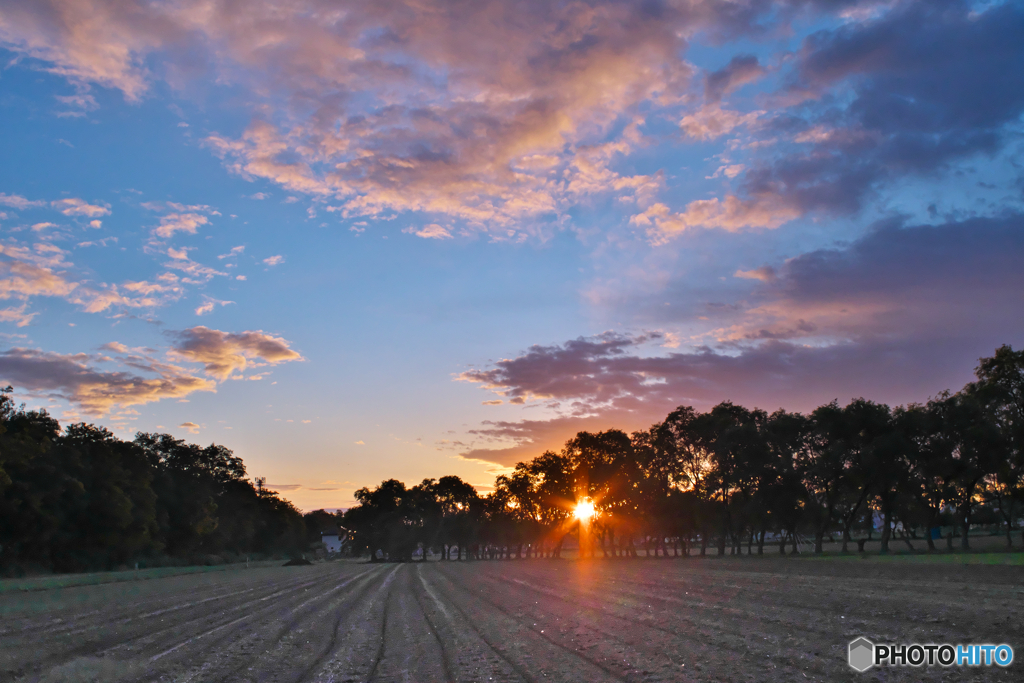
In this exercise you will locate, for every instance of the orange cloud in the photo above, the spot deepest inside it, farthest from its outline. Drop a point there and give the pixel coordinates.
(190, 427)
(224, 353)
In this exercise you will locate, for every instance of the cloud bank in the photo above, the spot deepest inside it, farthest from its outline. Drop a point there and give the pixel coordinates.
(395, 106)
(896, 316)
(399, 106)
(79, 380)
(83, 380)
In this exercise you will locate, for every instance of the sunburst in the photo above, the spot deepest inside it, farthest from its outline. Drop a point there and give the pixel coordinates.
(585, 510)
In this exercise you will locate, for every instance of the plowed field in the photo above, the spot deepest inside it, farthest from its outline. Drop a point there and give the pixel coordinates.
(729, 619)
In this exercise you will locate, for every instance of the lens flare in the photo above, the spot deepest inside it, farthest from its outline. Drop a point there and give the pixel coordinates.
(584, 510)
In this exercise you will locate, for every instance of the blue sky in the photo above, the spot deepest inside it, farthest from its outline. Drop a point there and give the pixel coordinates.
(355, 241)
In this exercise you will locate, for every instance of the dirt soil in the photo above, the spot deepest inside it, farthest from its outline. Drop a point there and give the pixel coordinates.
(728, 619)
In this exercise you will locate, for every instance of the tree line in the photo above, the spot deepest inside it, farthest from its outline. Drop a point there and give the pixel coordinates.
(733, 476)
(78, 498)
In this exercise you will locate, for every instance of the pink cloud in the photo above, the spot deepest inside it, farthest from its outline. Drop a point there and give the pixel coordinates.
(41, 270)
(432, 231)
(209, 304)
(764, 274)
(18, 202)
(600, 383)
(187, 223)
(711, 122)
(80, 207)
(443, 123)
(731, 214)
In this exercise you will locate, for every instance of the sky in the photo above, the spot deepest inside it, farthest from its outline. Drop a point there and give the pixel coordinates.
(354, 241)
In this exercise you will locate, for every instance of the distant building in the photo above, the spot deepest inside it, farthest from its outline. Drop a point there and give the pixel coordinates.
(332, 541)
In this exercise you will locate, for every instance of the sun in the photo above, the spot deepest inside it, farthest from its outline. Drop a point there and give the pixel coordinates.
(584, 510)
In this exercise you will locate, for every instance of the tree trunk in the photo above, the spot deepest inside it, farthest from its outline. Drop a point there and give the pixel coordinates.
(887, 529)
(965, 519)
(760, 542)
(848, 521)
(931, 525)
(1009, 527)
(819, 539)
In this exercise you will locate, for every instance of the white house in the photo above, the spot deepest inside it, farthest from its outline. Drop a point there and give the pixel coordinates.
(332, 541)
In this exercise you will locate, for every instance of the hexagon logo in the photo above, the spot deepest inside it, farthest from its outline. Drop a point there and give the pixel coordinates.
(861, 654)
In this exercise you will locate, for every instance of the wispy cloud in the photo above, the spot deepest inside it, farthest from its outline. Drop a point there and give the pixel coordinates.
(42, 270)
(432, 231)
(731, 214)
(209, 304)
(18, 202)
(80, 207)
